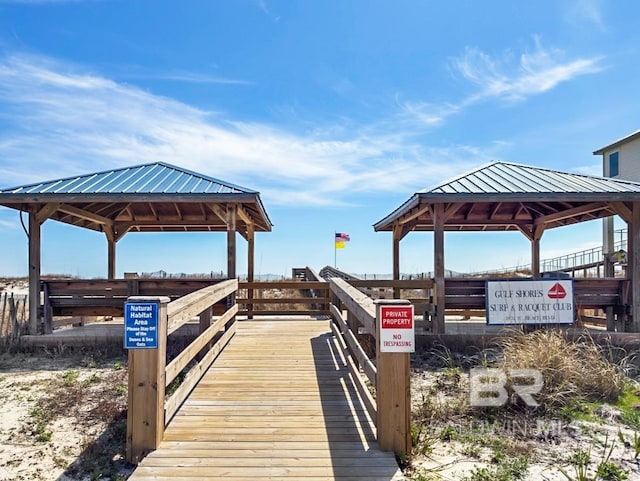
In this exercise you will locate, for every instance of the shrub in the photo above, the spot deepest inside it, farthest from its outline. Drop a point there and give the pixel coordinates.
(571, 370)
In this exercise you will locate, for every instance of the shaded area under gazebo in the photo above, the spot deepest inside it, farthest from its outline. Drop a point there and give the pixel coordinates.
(504, 196)
(156, 197)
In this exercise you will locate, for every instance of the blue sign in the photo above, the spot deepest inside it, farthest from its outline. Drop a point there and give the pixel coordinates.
(141, 325)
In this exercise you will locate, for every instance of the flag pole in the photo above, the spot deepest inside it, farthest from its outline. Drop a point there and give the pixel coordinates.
(335, 252)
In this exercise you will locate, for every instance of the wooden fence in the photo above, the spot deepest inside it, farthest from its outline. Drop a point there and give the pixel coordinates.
(14, 317)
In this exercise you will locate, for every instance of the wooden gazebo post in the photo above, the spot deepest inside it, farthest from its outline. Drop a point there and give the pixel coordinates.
(535, 250)
(397, 236)
(438, 265)
(231, 242)
(111, 254)
(34, 271)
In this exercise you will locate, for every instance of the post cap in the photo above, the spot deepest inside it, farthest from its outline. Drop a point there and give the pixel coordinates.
(395, 302)
(158, 299)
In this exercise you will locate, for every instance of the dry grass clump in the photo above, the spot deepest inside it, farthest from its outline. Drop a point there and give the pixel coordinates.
(571, 371)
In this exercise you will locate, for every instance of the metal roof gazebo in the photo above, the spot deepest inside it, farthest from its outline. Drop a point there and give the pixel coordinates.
(155, 197)
(504, 196)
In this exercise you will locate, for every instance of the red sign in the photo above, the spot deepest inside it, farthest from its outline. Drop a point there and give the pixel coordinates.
(397, 317)
(557, 292)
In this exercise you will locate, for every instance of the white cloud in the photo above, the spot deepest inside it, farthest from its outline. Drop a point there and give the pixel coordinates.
(535, 72)
(262, 4)
(134, 72)
(35, 2)
(63, 121)
(428, 114)
(593, 169)
(580, 12)
(505, 78)
(8, 225)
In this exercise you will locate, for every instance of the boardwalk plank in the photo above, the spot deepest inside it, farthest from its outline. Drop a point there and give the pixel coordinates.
(278, 405)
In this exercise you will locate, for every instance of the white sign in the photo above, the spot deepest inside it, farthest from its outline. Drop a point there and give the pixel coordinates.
(537, 301)
(397, 331)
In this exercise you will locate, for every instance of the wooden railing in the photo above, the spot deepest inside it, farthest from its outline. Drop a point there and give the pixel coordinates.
(390, 377)
(76, 298)
(150, 375)
(289, 298)
(306, 296)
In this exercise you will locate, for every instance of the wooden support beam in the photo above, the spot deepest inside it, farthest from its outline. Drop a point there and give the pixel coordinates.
(567, 214)
(231, 242)
(251, 248)
(46, 211)
(621, 209)
(495, 209)
(535, 250)
(83, 214)
(34, 272)
(243, 215)
(120, 229)
(219, 211)
(451, 210)
(397, 236)
(526, 231)
(438, 266)
(111, 259)
(414, 215)
(111, 252)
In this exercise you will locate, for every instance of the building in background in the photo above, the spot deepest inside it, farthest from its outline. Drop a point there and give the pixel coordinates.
(620, 160)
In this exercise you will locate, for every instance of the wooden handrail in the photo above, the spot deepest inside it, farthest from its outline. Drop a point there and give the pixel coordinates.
(390, 375)
(149, 375)
(396, 284)
(357, 303)
(182, 310)
(186, 356)
(369, 401)
(354, 346)
(174, 402)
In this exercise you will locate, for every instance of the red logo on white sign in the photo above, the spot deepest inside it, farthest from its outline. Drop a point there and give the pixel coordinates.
(557, 292)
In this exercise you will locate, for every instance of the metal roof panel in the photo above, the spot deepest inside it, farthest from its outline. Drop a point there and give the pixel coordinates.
(504, 181)
(157, 177)
(505, 177)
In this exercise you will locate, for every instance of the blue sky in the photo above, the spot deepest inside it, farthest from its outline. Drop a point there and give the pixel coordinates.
(336, 111)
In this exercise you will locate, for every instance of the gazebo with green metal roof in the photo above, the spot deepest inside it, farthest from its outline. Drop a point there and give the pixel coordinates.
(504, 196)
(155, 197)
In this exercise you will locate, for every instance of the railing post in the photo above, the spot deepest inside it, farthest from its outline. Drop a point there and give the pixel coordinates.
(393, 394)
(145, 415)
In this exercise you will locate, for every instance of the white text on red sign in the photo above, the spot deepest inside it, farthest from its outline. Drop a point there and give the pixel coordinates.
(397, 318)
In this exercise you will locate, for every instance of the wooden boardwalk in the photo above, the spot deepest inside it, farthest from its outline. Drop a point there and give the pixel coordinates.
(278, 404)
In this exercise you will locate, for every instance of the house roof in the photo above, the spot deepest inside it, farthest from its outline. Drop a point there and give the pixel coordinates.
(148, 197)
(618, 143)
(508, 196)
